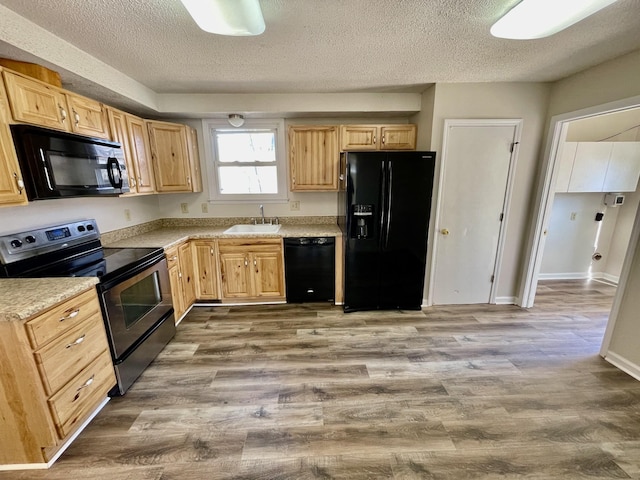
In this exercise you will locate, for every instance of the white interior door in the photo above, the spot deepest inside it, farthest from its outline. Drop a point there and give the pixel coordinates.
(474, 187)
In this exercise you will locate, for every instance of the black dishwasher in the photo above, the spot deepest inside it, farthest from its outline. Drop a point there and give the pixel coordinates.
(310, 269)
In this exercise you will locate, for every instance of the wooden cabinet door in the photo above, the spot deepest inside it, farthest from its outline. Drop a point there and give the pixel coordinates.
(170, 157)
(358, 137)
(141, 154)
(12, 190)
(206, 271)
(176, 292)
(235, 271)
(87, 117)
(313, 158)
(268, 274)
(185, 256)
(194, 159)
(120, 134)
(35, 102)
(398, 137)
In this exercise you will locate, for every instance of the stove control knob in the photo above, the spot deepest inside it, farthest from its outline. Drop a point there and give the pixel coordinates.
(16, 243)
(89, 227)
(81, 228)
(30, 239)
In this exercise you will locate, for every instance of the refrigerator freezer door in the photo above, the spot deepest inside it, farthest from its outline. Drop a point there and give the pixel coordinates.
(362, 253)
(406, 214)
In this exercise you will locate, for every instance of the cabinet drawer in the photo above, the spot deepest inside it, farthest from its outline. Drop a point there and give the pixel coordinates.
(82, 394)
(63, 358)
(172, 256)
(52, 323)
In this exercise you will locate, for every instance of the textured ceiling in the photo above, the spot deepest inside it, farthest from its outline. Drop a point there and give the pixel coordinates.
(313, 46)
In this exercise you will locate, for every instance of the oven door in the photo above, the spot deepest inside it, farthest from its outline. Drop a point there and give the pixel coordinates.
(135, 305)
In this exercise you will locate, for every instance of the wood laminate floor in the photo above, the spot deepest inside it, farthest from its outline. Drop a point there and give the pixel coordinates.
(308, 392)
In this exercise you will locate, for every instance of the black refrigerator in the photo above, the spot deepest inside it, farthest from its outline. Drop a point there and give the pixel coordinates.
(384, 210)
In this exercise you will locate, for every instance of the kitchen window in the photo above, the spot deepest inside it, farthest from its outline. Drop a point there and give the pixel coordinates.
(246, 164)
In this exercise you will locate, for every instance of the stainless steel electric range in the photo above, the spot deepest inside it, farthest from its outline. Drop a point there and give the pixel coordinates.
(134, 290)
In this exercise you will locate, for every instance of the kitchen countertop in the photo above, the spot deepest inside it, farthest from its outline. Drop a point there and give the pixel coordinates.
(168, 237)
(20, 298)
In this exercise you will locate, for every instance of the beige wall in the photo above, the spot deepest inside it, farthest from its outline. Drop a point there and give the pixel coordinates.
(108, 212)
(424, 119)
(527, 101)
(607, 82)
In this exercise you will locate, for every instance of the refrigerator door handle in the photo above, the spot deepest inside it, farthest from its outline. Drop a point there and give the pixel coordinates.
(389, 198)
(383, 203)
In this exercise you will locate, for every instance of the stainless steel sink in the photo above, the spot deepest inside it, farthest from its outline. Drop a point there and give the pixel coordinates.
(259, 228)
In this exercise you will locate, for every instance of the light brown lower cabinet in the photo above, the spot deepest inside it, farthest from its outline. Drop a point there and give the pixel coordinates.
(181, 278)
(251, 269)
(55, 372)
(206, 269)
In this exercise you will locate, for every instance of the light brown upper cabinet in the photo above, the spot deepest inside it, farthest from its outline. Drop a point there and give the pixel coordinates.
(173, 165)
(377, 137)
(131, 133)
(12, 190)
(313, 158)
(38, 103)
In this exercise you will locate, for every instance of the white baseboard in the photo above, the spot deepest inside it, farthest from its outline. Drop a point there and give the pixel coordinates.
(506, 300)
(623, 364)
(579, 276)
(611, 278)
(564, 276)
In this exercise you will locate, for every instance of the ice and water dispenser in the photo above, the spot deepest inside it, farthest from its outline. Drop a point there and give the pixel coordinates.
(362, 221)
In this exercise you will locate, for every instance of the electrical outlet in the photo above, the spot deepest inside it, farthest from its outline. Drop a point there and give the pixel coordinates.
(205, 208)
(294, 205)
(127, 214)
(184, 207)
(573, 216)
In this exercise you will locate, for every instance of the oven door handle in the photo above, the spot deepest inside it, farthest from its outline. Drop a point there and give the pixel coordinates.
(111, 163)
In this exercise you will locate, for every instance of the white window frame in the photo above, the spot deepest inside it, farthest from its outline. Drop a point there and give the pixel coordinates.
(209, 126)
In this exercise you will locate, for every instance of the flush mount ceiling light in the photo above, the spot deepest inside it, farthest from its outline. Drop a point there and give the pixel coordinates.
(227, 17)
(540, 18)
(236, 120)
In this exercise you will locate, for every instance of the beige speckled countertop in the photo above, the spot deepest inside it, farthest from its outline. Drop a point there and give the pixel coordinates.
(20, 298)
(167, 237)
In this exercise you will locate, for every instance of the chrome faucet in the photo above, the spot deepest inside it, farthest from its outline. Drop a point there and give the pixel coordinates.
(262, 213)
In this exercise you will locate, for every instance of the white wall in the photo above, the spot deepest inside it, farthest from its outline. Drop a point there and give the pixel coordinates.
(501, 100)
(570, 244)
(109, 212)
(626, 214)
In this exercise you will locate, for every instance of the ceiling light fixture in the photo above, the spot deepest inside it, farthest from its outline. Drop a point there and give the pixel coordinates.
(227, 17)
(236, 120)
(540, 18)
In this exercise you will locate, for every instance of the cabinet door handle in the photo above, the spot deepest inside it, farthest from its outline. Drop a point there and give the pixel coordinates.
(70, 315)
(84, 385)
(77, 341)
(383, 139)
(63, 113)
(211, 251)
(174, 258)
(374, 139)
(76, 117)
(255, 264)
(246, 262)
(139, 180)
(19, 182)
(132, 181)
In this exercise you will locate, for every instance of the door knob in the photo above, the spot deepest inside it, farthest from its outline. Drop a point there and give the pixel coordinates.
(444, 231)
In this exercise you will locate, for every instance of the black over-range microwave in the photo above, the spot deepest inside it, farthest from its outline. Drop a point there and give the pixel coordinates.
(57, 164)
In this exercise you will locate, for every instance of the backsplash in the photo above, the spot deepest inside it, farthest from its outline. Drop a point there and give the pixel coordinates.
(124, 233)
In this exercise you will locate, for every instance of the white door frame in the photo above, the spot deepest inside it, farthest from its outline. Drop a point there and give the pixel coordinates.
(544, 201)
(449, 123)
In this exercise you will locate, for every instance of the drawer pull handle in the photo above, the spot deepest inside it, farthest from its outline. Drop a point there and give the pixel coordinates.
(71, 315)
(84, 385)
(175, 257)
(77, 341)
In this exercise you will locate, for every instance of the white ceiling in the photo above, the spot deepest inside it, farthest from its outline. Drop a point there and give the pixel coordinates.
(329, 46)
